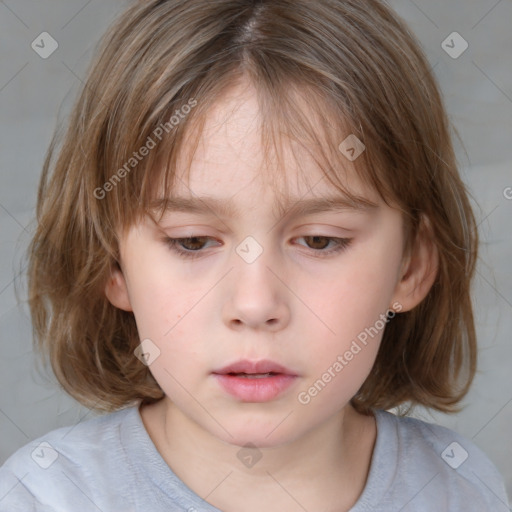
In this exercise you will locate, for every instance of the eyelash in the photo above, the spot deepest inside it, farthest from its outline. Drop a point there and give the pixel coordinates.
(174, 245)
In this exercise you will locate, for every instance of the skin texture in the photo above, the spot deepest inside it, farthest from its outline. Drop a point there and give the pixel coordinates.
(290, 305)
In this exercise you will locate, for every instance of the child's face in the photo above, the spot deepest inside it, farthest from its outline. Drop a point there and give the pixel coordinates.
(298, 304)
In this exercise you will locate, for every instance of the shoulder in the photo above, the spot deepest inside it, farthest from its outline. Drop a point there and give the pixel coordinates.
(437, 466)
(63, 466)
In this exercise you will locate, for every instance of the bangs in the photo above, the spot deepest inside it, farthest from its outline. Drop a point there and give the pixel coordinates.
(294, 119)
(316, 90)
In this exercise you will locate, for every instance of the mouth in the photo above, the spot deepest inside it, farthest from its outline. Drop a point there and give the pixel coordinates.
(255, 381)
(254, 369)
(253, 375)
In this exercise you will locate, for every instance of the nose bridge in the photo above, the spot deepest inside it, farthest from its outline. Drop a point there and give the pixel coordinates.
(256, 296)
(251, 261)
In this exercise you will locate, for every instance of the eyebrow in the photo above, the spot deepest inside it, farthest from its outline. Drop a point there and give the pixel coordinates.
(292, 205)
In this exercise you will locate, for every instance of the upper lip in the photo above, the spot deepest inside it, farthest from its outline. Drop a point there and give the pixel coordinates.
(254, 367)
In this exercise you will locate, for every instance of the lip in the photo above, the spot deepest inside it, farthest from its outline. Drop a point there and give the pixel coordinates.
(255, 389)
(261, 366)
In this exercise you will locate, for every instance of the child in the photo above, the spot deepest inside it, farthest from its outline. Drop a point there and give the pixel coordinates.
(252, 243)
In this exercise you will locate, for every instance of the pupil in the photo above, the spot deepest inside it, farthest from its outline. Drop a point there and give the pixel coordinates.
(318, 240)
(193, 241)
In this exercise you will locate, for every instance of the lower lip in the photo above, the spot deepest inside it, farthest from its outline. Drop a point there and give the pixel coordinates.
(255, 389)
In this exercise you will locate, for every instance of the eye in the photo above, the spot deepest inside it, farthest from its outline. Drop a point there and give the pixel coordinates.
(320, 244)
(192, 247)
(189, 247)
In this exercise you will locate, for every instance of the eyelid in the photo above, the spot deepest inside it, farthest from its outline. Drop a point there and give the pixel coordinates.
(173, 244)
(318, 227)
(341, 244)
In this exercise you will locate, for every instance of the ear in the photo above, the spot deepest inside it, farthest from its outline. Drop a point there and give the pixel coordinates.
(419, 268)
(117, 291)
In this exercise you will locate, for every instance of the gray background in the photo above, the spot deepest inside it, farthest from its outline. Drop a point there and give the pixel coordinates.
(36, 93)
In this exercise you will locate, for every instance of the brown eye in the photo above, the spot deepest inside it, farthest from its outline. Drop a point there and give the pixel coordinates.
(317, 242)
(193, 243)
(189, 247)
(323, 246)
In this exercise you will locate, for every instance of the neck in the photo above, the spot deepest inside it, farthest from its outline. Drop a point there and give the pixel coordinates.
(330, 462)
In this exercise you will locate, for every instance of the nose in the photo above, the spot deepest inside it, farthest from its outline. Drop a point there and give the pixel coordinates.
(257, 297)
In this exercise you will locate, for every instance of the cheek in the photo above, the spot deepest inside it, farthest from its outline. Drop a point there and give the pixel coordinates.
(182, 352)
(341, 361)
(351, 315)
(159, 296)
(357, 295)
(170, 313)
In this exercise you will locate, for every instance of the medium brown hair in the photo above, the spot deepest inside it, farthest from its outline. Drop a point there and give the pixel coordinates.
(359, 70)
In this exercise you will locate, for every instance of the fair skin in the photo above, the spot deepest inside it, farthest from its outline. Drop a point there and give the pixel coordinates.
(290, 305)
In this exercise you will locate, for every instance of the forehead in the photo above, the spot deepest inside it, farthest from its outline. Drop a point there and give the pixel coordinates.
(231, 160)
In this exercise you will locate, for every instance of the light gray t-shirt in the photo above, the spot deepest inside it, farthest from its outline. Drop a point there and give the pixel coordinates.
(109, 463)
